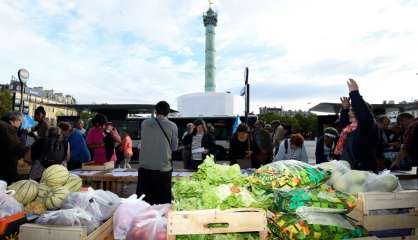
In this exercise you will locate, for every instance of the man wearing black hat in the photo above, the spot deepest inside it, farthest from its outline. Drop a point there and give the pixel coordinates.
(325, 146)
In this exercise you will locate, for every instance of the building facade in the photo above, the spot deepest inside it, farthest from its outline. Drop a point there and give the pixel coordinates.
(37, 96)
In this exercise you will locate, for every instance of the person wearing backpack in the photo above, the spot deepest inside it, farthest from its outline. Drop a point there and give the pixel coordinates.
(292, 149)
(48, 151)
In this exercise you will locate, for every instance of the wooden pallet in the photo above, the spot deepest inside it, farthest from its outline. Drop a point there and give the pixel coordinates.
(369, 202)
(48, 232)
(238, 220)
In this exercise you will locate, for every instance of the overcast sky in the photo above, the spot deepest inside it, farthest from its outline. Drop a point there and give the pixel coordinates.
(299, 53)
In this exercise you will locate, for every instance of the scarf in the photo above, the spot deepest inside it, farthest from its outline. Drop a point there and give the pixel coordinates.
(340, 144)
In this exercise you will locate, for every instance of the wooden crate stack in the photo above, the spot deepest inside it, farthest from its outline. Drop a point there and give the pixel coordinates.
(237, 220)
(368, 203)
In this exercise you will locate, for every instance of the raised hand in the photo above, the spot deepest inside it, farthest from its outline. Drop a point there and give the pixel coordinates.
(345, 102)
(352, 85)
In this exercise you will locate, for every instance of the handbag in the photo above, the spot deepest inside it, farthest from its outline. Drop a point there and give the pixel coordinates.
(168, 140)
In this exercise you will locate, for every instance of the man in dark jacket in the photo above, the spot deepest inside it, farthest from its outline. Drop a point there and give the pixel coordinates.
(11, 149)
(325, 146)
(360, 136)
(263, 147)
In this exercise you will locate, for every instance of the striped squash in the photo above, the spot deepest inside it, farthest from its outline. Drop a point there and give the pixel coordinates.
(43, 190)
(55, 176)
(73, 183)
(55, 197)
(26, 190)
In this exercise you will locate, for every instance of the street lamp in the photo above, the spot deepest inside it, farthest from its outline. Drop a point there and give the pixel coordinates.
(23, 76)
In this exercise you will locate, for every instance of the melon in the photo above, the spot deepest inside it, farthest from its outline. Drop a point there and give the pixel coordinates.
(357, 189)
(73, 183)
(55, 197)
(55, 176)
(340, 185)
(390, 182)
(345, 163)
(42, 193)
(356, 176)
(26, 190)
(383, 183)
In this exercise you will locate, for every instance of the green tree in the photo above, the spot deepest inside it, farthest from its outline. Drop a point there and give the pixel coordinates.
(6, 99)
(85, 115)
(300, 122)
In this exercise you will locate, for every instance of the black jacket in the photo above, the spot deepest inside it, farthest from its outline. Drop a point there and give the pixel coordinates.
(11, 150)
(360, 146)
(319, 151)
(238, 149)
(263, 148)
(208, 142)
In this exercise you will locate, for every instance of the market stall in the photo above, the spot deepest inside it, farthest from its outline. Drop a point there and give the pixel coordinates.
(283, 200)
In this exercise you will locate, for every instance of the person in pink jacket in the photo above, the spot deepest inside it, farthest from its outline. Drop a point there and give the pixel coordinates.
(126, 146)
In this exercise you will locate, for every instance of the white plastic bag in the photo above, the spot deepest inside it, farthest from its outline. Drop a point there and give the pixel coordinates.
(70, 217)
(9, 205)
(337, 168)
(85, 201)
(151, 224)
(384, 182)
(107, 201)
(100, 204)
(355, 181)
(127, 210)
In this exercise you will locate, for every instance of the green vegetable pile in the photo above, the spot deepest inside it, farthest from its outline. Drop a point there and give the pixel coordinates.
(217, 186)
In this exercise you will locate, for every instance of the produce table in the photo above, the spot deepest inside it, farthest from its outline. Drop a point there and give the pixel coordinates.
(406, 175)
(115, 180)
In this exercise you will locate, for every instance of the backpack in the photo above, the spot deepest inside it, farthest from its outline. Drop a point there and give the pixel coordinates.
(54, 151)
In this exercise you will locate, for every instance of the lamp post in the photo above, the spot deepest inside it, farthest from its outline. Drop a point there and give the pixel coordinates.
(23, 76)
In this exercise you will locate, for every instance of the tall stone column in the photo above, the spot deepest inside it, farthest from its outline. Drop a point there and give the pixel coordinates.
(210, 20)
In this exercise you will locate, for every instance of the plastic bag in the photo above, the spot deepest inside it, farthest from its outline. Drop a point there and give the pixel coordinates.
(107, 201)
(337, 169)
(316, 200)
(85, 201)
(127, 210)
(100, 204)
(287, 175)
(9, 205)
(355, 181)
(312, 225)
(384, 182)
(151, 224)
(70, 217)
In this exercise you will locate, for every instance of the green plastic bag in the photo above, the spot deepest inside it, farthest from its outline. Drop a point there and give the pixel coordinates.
(287, 175)
(321, 199)
(313, 225)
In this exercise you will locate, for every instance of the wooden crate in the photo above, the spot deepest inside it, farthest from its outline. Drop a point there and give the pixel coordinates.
(48, 232)
(99, 167)
(369, 202)
(239, 220)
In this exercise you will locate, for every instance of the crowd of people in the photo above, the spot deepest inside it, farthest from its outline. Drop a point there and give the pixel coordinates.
(366, 142)
(67, 144)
